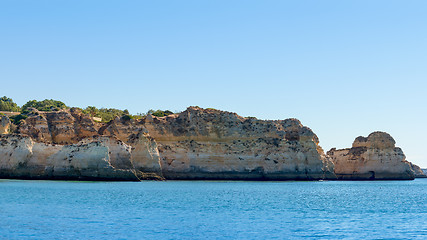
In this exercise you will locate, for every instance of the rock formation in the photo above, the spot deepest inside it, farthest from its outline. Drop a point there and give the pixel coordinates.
(212, 144)
(59, 127)
(195, 144)
(97, 158)
(419, 173)
(66, 145)
(4, 125)
(374, 157)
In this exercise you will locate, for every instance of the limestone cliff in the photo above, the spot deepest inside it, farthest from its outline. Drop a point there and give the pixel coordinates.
(145, 151)
(59, 127)
(195, 144)
(372, 157)
(98, 158)
(211, 144)
(66, 145)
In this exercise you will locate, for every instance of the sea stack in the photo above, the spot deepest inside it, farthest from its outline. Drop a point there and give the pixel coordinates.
(371, 158)
(419, 173)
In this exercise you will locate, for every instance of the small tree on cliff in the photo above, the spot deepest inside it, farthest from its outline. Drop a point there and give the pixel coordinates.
(7, 104)
(45, 105)
(106, 114)
(159, 113)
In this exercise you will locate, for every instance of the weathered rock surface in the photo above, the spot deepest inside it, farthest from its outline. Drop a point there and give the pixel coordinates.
(212, 144)
(145, 151)
(98, 158)
(4, 125)
(374, 157)
(419, 173)
(195, 144)
(60, 127)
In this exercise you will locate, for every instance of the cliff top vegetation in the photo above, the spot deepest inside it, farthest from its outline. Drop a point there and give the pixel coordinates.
(7, 104)
(47, 105)
(106, 114)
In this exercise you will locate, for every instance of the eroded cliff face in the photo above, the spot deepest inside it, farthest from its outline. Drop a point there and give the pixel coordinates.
(60, 127)
(97, 158)
(66, 145)
(212, 144)
(370, 158)
(195, 144)
(145, 154)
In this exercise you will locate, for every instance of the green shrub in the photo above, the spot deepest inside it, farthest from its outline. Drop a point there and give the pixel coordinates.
(106, 114)
(45, 105)
(17, 119)
(7, 104)
(159, 113)
(130, 116)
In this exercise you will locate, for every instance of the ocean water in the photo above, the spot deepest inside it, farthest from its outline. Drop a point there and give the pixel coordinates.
(213, 210)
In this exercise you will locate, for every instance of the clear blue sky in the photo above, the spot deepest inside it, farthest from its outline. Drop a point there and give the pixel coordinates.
(344, 68)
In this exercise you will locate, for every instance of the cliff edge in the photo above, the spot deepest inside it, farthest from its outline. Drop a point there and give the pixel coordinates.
(195, 144)
(212, 144)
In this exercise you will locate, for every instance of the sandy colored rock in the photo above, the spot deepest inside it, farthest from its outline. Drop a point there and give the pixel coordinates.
(195, 144)
(59, 127)
(124, 129)
(99, 158)
(211, 144)
(66, 145)
(4, 124)
(145, 154)
(370, 158)
(419, 173)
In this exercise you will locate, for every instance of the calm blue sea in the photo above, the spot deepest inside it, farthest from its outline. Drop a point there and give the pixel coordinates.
(213, 210)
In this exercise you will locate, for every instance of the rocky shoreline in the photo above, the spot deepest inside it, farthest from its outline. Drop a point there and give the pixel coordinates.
(197, 144)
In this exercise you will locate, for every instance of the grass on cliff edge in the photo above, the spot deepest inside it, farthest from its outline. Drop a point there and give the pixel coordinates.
(48, 105)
